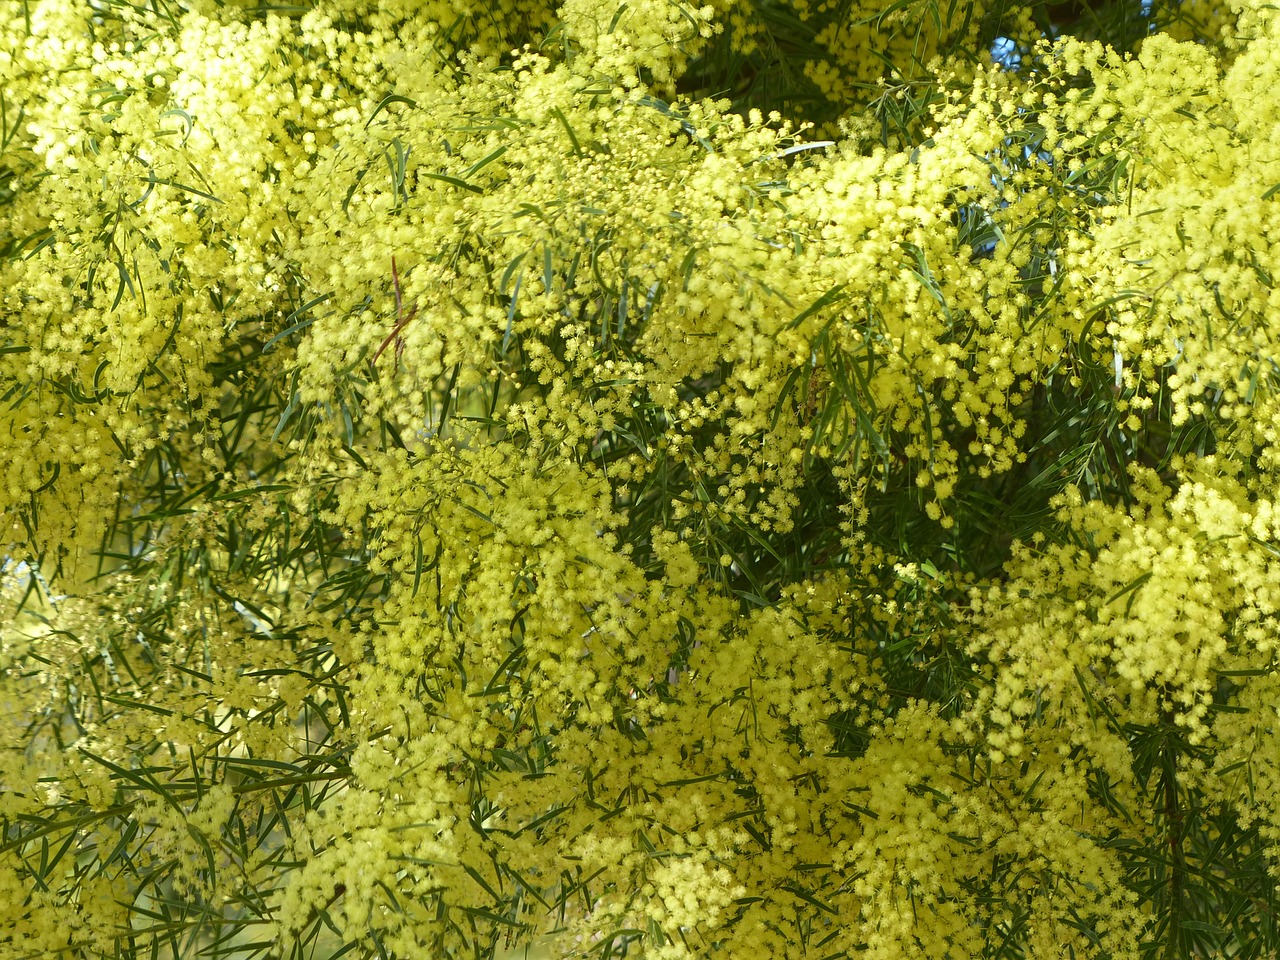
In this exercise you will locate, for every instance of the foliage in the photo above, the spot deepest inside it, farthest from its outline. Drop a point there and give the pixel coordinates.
(760, 479)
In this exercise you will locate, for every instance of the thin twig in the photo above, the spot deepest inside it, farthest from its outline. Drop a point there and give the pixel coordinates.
(402, 320)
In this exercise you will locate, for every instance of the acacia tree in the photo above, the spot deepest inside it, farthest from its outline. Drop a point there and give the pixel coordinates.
(760, 479)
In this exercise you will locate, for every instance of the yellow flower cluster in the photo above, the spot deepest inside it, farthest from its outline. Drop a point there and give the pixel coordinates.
(1154, 605)
(461, 488)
